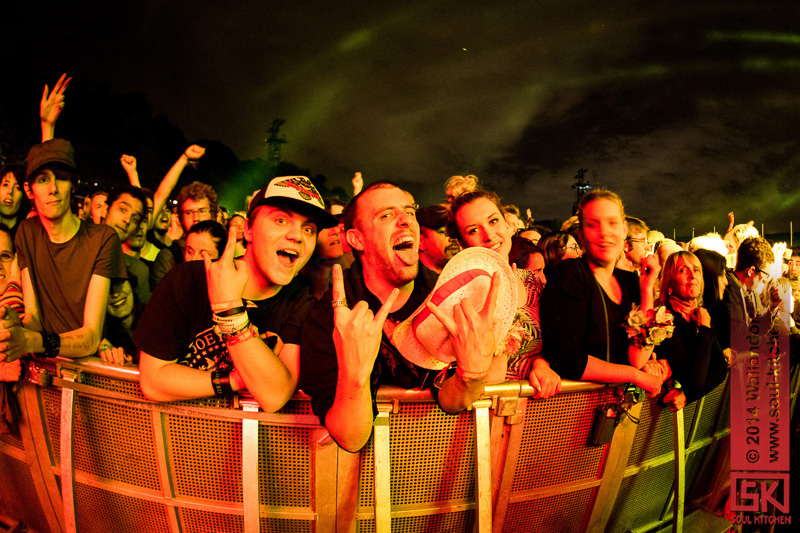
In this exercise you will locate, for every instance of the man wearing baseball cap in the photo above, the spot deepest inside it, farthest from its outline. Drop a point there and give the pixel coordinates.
(436, 248)
(66, 265)
(217, 328)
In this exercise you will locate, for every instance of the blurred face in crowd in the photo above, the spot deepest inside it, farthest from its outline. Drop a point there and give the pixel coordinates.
(329, 244)
(514, 223)
(572, 249)
(794, 267)
(386, 233)
(480, 223)
(636, 247)
(6, 258)
(10, 196)
(238, 222)
(199, 245)
(280, 243)
(603, 231)
(99, 208)
(536, 266)
(688, 282)
(51, 193)
(162, 221)
(532, 235)
(124, 215)
(136, 240)
(437, 246)
(193, 211)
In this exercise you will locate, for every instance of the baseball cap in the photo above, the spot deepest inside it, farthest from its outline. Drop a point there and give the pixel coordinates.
(52, 151)
(297, 193)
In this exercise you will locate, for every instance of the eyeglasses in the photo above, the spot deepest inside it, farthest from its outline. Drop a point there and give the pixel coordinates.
(573, 247)
(765, 274)
(193, 212)
(6, 257)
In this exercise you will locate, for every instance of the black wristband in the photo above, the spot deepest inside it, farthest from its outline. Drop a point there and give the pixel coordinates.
(51, 342)
(221, 381)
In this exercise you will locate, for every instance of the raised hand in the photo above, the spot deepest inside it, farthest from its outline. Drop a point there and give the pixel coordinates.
(472, 332)
(226, 279)
(53, 102)
(128, 163)
(358, 183)
(357, 331)
(194, 153)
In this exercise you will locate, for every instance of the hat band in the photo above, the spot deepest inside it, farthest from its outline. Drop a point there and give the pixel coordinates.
(445, 291)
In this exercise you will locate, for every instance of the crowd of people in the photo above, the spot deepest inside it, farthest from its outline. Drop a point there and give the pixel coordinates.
(300, 292)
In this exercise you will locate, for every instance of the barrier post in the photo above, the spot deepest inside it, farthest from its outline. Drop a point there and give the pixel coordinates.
(382, 457)
(250, 497)
(483, 466)
(67, 452)
(680, 471)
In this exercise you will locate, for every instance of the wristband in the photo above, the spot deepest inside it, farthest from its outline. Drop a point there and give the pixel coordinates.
(224, 306)
(247, 334)
(471, 375)
(221, 381)
(51, 342)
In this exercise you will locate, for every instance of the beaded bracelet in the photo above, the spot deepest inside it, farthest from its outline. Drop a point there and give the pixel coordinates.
(221, 381)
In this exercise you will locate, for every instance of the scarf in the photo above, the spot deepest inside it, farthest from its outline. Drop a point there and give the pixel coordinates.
(684, 307)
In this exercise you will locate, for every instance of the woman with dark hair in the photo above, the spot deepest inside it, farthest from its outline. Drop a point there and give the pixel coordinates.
(206, 236)
(693, 352)
(527, 256)
(14, 205)
(476, 219)
(557, 246)
(587, 299)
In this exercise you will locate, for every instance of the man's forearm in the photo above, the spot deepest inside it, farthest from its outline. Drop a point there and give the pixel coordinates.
(263, 373)
(349, 420)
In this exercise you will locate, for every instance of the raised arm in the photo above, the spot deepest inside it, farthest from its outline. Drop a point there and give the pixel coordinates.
(51, 106)
(357, 337)
(167, 185)
(128, 162)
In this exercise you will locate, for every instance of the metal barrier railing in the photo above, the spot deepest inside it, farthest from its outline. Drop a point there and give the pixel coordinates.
(92, 454)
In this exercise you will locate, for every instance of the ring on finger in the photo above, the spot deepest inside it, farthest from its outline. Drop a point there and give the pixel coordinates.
(339, 303)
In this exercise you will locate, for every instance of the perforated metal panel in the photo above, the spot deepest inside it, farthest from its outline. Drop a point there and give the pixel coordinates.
(19, 499)
(654, 433)
(207, 457)
(714, 415)
(451, 522)
(432, 455)
(284, 476)
(115, 442)
(51, 400)
(101, 511)
(195, 521)
(13, 439)
(553, 448)
(562, 513)
(125, 387)
(641, 498)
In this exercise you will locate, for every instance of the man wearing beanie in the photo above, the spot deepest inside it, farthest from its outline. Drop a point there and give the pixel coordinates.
(66, 265)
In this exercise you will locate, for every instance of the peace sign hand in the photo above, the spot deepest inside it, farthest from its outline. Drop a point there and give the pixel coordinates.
(357, 332)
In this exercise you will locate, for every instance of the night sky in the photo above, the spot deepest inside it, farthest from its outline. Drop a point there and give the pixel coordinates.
(687, 109)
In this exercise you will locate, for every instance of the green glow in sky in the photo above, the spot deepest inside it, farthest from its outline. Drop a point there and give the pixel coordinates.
(755, 36)
(355, 40)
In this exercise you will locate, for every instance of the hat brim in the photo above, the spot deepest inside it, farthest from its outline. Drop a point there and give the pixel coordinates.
(323, 219)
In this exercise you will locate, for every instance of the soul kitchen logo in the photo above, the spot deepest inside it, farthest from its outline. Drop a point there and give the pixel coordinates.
(304, 188)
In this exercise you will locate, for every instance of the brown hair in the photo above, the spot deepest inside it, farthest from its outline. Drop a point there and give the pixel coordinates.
(467, 198)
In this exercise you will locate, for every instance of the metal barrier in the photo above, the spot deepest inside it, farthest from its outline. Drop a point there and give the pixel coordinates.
(91, 454)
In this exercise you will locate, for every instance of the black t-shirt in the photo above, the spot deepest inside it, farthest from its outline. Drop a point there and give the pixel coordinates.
(319, 367)
(178, 324)
(574, 319)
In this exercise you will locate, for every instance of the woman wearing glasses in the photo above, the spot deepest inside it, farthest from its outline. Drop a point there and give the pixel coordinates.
(586, 301)
(557, 246)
